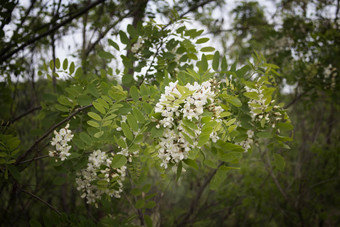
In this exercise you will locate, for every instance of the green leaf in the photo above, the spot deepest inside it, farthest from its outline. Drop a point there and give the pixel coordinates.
(252, 95)
(93, 123)
(202, 40)
(179, 170)
(65, 64)
(220, 176)
(285, 126)
(202, 139)
(226, 146)
(132, 122)
(140, 203)
(134, 93)
(139, 116)
(232, 100)
(204, 63)
(123, 37)
(224, 64)
(71, 69)
(99, 107)
(264, 134)
(85, 137)
(279, 162)
(106, 55)
(191, 163)
(14, 172)
(57, 63)
(132, 31)
(61, 108)
(65, 101)
(118, 161)
(207, 49)
(114, 44)
(216, 61)
(98, 134)
(84, 100)
(157, 132)
(127, 132)
(51, 65)
(230, 156)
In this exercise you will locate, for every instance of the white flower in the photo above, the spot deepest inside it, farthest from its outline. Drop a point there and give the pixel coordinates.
(60, 141)
(173, 146)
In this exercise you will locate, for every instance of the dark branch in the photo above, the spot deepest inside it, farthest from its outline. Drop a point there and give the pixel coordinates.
(52, 30)
(8, 123)
(41, 200)
(50, 131)
(195, 201)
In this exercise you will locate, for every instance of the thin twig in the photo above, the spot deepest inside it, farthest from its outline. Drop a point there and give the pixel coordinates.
(49, 131)
(41, 200)
(195, 201)
(8, 123)
(53, 29)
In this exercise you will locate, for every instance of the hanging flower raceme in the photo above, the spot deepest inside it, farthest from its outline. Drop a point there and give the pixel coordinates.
(60, 141)
(262, 108)
(100, 177)
(180, 107)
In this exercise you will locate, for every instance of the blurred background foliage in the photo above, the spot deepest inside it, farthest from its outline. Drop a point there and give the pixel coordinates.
(302, 37)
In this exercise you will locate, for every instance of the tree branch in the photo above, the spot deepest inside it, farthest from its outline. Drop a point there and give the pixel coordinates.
(53, 29)
(50, 130)
(195, 201)
(8, 123)
(41, 200)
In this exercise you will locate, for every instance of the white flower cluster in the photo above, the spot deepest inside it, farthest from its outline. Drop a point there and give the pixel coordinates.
(136, 46)
(60, 141)
(175, 106)
(262, 110)
(98, 169)
(246, 144)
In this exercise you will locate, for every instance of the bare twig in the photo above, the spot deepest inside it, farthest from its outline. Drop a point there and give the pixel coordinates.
(50, 31)
(195, 201)
(41, 200)
(50, 130)
(8, 123)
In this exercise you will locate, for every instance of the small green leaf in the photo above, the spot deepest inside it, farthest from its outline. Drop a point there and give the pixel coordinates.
(98, 134)
(134, 93)
(191, 163)
(99, 107)
(216, 61)
(71, 69)
(264, 134)
(118, 161)
(114, 44)
(279, 162)
(65, 64)
(179, 170)
(140, 203)
(123, 37)
(202, 40)
(202, 139)
(105, 55)
(224, 64)
(84, 100)
(57, 63)
(252, 95)
(132, 122)
(207, 49)
(219, 177)
(127, 132)
(232, 100)
(93, 123)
